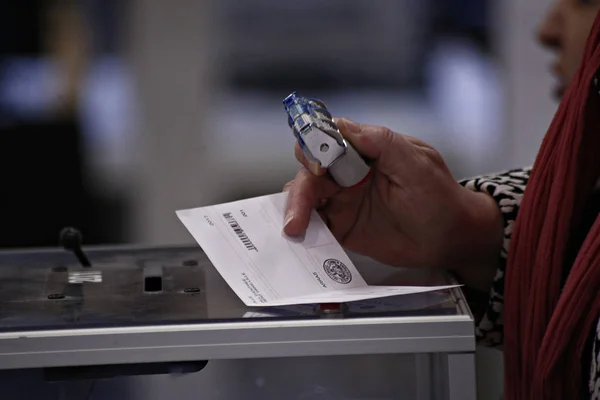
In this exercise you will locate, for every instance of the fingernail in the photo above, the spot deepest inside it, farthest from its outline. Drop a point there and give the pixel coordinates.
(350, 126)
(314, 168)
(288, 218)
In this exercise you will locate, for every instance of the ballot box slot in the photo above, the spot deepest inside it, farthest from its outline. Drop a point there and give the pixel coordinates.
(153, 278)
(153, 284)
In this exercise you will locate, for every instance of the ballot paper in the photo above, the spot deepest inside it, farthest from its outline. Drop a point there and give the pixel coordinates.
(245, 242)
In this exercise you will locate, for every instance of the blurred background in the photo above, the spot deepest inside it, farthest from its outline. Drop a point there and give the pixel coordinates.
(115, 113)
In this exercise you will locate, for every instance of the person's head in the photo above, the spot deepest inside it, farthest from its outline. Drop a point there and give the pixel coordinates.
(564, 30)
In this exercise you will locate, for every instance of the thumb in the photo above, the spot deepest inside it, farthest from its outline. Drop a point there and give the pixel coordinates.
(390, 152)
(369, 140)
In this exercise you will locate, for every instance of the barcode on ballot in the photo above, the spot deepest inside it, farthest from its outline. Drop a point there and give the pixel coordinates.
(239, 232)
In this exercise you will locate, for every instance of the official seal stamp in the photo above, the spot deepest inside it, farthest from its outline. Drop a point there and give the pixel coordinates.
(337, 271)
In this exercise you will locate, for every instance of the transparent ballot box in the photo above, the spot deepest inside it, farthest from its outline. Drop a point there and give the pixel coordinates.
(148, 310)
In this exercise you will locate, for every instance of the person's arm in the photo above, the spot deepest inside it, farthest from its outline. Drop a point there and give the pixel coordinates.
(506, 189)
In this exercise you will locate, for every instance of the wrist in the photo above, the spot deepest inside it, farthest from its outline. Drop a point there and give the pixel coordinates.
(477, 248)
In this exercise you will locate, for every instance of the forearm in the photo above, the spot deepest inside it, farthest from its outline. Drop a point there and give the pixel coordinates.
(483, 245)
(478, 278)
(499, 198)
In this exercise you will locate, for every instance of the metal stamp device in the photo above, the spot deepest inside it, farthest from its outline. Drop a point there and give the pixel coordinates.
(321, 141)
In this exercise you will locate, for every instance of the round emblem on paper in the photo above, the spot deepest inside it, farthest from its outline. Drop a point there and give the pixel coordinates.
(337, 271)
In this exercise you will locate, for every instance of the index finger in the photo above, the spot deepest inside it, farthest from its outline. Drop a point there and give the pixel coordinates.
(304, 195)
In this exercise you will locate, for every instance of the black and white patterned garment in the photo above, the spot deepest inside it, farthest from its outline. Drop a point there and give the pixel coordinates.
(507, 189)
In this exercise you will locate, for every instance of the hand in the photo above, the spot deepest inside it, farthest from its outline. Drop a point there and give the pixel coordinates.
(411, 212)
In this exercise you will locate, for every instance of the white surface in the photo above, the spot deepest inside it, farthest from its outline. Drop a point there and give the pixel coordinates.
(171, 56)
(527, 79)
(244, 241)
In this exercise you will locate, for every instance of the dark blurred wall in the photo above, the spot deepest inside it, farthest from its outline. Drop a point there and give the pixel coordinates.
(20, 27)
(469, 19)
(42, 166)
